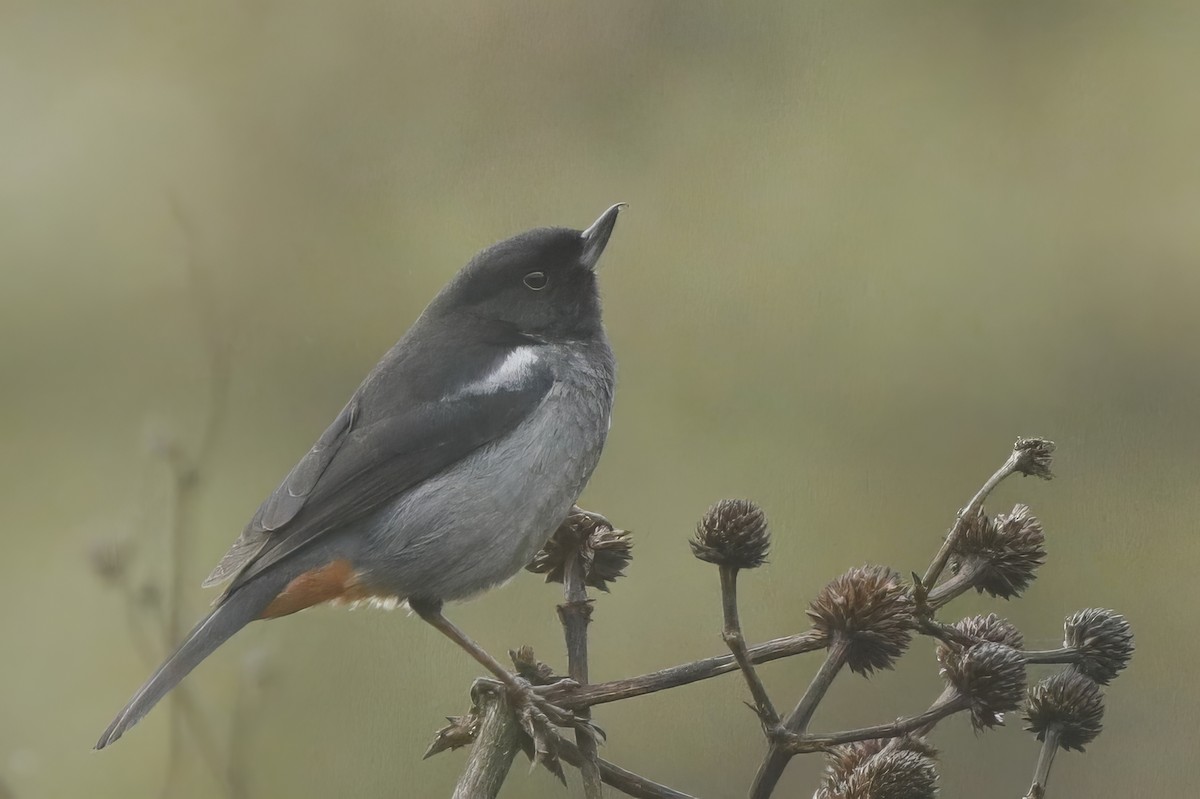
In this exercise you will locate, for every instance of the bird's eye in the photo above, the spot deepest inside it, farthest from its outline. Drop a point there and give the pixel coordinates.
(535, 280)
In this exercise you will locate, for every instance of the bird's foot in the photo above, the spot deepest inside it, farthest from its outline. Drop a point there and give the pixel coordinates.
(539, 717)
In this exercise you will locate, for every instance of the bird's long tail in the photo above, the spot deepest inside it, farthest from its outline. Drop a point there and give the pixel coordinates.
(235, 611)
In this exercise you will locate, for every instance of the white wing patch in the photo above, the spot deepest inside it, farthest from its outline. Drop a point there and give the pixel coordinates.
(511, 372)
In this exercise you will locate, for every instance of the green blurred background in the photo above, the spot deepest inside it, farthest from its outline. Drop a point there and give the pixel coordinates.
(867, 245)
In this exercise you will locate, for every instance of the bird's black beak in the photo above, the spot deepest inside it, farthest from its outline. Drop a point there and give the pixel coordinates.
(596, 237)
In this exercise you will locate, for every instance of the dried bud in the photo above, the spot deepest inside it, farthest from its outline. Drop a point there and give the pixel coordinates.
(1003, 554)
(733, 533)
(992, 677)
(842, 761)
(871, 609)
(529, 667)
(982, 628)
(603, 551)
(1034, 456)
(892, 774)
(461, 731)
(1104, 640)
(1070, 702)
(110, 559)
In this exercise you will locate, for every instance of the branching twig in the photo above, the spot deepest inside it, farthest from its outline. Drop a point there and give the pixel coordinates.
(496, 745)
(732, 634)
(1065, 655)
(946, 705)
(1030, 456)
(865, 619)
(797, 721)
(1041, 774)
(576, 614)
(964, 516)
(570, 697)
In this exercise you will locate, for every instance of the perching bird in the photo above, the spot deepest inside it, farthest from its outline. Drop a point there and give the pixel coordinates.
(450, 467)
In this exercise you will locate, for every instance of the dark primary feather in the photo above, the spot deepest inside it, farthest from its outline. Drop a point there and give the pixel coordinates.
(286, 500)
(358, 465)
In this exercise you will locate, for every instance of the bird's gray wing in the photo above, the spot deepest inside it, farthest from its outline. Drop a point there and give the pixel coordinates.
(355, 467)
(286, 501)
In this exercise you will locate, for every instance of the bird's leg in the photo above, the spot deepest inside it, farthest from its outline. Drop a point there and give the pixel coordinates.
(536, 715)
(431, 612)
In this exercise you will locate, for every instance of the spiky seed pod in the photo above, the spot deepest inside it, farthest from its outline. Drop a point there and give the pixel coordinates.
(893, 774)
(1034, 456)
(983, 628)
(603, 550)
(871, 609)
(841, 761)
(529, 667)
(1070, 701)
(733, 533)
(1104, 640)
(1006, 551)
(992, 677)
(991, 627)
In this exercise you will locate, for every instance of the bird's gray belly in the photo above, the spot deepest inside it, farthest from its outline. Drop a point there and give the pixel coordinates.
(478, 523)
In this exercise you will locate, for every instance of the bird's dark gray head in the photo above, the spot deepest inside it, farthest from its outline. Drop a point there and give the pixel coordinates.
(540, 284)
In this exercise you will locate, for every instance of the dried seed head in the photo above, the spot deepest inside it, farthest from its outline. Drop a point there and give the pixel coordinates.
(1070, 701)
(871, 609)
(1005, 552)
(983, 628)
(109, 559)
(841, 761)
(733, 533)
(603, 550)
(529, 667)
(1104, 640)
(992, 677)
(1034, 456)
(892, 774)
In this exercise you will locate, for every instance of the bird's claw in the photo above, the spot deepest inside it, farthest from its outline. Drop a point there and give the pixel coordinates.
(561, 684)
(538, 718)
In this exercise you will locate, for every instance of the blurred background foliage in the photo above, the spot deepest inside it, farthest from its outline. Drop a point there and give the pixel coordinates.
(867, 246)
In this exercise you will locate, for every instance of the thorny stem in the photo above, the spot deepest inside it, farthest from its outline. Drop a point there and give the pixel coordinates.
(839, 650)
(570, 697)
(575, 614)
(1065, 655)
(949, 693)
(797, 721)
(496, 745)
(1041, 774)
(944, 632)
(948, 704)
(957, 584)
(973, 507)
(737, 646)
